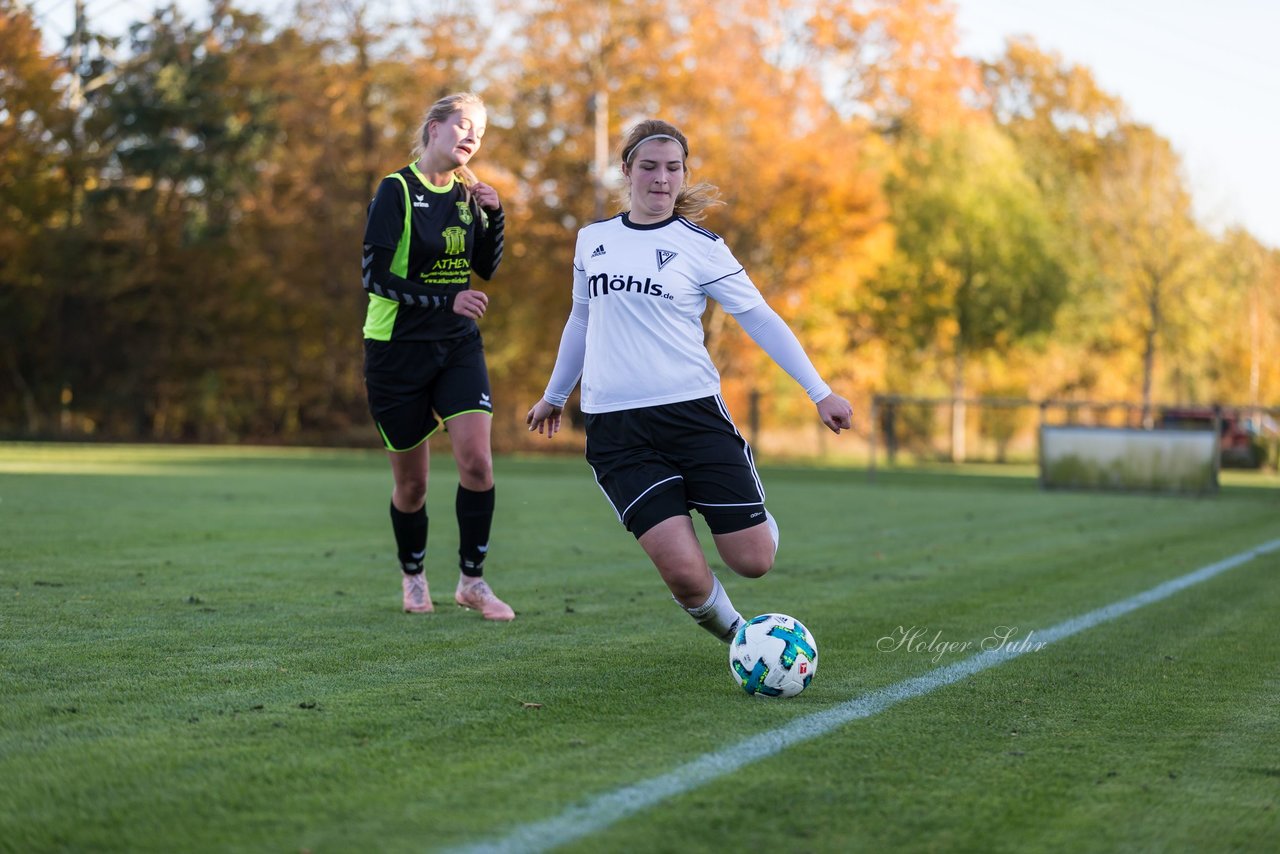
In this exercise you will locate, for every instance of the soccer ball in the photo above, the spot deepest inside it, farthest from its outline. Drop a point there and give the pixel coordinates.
(773, 655)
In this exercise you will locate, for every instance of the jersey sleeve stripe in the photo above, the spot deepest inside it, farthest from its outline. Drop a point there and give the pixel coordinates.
(697, 229)
(722, 278)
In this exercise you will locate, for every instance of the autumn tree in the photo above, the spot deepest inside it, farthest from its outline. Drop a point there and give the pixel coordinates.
(1148, 246)
(350, 88)
(570, 72)
(1064, 126)
(177, 134)
(1061, 120)
(1237, 306)
(804, 210)
(976, 268)
(801, 195)
(895, 62)
(35, 201)
(181, 209)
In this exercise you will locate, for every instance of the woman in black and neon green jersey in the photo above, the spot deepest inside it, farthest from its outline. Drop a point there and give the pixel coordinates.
(430, 226)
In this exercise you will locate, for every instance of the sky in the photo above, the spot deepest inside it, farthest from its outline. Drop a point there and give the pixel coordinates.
(1202, 73)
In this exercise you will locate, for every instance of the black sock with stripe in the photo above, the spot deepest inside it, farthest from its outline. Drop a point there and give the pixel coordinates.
(475, 518)
(411, 537)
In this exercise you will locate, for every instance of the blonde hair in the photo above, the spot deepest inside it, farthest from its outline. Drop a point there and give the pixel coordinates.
(439, 112)
(694, 200)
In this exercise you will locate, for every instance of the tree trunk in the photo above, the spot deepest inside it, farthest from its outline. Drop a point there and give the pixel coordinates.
(1149, 355)
(958, 409)
(1255, 346)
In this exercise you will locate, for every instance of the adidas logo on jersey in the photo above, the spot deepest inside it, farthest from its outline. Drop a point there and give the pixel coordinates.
(598, 251)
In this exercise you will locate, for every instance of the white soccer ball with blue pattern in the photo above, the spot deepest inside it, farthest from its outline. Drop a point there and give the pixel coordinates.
(773, 655)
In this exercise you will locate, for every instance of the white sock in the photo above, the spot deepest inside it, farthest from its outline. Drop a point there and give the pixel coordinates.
(773, 529)
(717, 615)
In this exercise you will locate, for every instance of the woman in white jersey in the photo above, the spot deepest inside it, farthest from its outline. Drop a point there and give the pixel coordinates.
(659, 437)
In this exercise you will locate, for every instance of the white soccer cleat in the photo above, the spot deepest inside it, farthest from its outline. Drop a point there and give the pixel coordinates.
(417, 600)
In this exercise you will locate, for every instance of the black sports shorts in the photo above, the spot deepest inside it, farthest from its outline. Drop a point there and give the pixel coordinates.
(656, 462)
(411, 382)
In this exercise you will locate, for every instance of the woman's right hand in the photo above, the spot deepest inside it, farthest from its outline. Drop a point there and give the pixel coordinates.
(545, 415)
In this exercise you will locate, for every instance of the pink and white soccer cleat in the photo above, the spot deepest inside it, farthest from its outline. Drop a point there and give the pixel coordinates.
(417, 600)
(476, 595)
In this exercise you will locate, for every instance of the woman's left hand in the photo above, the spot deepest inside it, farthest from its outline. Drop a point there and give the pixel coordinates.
(544, 415)
(836, 413)
(486, 196)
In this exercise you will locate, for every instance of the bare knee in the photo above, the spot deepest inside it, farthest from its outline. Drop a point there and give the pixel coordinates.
(673, 547)
(409, 476)
(748, 552)
(469, 436)
(475, 471)
(690, 589)
(751, 564)
(410, 492)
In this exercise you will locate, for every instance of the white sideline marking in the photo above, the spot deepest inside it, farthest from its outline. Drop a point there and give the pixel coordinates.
(604, 810)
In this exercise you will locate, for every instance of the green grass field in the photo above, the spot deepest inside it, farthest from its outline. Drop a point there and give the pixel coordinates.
(201, 649)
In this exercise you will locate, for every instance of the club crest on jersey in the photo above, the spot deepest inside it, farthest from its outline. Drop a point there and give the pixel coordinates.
(664, 257)
(455, 240)
(464, 213)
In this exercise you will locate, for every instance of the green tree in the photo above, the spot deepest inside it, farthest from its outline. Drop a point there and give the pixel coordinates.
(1065, 127)
(976, 269)
(178, 133)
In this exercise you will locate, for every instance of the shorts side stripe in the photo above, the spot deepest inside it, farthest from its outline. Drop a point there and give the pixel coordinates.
(395, 450)
(595, 474)
(746, 446)
(646, 492)
(467, 412)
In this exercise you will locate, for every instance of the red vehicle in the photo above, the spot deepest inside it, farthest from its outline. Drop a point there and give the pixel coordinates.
(1245, 435)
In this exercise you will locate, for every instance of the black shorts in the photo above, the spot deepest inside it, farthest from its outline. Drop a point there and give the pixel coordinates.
(411, 382)
(656, 462)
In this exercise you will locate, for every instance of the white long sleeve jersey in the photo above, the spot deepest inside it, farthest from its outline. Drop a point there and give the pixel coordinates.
(642, 290)
(646, 287)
